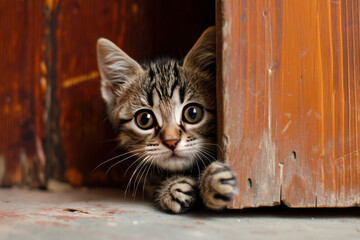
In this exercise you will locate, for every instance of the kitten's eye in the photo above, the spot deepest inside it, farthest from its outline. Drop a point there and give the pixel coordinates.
(193, 113)
(145, 119)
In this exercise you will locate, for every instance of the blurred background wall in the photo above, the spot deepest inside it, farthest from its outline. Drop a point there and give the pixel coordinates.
(52, 119)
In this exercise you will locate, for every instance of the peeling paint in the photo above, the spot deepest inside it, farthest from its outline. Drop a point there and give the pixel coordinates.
(225, 143)
(303, 53)
(269, 26)
(264, 177)
(286, 127)
(317, 115)
(281, 165)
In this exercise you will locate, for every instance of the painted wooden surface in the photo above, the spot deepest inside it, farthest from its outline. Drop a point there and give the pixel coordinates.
(22, 93)
(290, 101)
(50, 104)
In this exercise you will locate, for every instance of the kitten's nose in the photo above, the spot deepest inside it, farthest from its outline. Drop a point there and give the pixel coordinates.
(171, 143)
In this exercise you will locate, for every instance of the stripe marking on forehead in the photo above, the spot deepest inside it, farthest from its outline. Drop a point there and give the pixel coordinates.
(156, 106)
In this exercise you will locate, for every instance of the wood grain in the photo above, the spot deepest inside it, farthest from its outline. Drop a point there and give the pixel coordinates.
(324, 106)
(247, 135)
(22, 93)
(290, 101)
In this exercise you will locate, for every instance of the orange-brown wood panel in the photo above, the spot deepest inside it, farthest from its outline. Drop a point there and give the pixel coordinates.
(318, 105)
(246, 121)
(80, 133)
(22, 93)
(289, 106)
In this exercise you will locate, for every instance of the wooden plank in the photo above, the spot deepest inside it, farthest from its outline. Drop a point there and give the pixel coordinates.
(290, 73)
(80, 133)
(22, 93)
(319, 91)
(246, 129)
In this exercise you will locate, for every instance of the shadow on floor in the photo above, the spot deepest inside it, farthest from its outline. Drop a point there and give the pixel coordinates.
(280, 211)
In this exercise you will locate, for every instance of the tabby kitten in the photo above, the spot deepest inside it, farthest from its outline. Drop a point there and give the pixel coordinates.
(164, 112)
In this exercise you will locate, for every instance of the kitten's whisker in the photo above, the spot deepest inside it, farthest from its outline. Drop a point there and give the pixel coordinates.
(214, 144)
(208, 153)
(136, 169)
(194, 156)
(199, 157)
(209, 160)
(139, 158)
(121, 162)
(139, 181)
(135, 144)
(202, 160)
(124, 154)
(130, 180)
(151, 162)
(136, 180)
(197, 164)
(210, 149)
(103, 121)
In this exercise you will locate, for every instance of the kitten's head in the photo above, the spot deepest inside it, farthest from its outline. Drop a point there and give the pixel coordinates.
(164, 110)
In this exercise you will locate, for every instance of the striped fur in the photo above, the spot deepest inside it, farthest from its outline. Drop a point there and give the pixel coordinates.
(164, 88)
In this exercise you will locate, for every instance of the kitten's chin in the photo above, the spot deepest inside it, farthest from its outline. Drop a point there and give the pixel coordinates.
(175, 163)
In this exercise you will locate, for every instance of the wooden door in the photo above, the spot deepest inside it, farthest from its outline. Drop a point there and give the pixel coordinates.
(289, 101)
(288, 91)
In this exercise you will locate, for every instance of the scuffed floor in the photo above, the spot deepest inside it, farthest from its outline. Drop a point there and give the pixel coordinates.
(104, 214)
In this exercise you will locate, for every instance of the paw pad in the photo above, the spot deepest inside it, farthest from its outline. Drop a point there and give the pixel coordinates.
(177, 194)
(217, 186)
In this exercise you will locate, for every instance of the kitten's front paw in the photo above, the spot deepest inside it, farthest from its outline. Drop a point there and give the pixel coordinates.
(217, 186)
(177, 194)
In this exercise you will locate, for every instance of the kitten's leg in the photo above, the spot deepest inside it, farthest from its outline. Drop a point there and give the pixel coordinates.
(177, 194)
(217, 186)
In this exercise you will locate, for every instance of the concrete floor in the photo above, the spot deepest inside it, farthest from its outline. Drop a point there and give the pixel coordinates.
(104, 214)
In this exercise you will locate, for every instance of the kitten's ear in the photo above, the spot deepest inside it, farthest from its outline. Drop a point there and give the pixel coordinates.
(117, 70)
(203, 54)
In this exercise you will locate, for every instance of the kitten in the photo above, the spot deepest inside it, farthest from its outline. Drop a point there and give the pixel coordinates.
(164, 112)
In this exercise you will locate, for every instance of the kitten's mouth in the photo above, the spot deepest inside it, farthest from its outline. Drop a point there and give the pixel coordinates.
(175, 157)
(174, 161)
